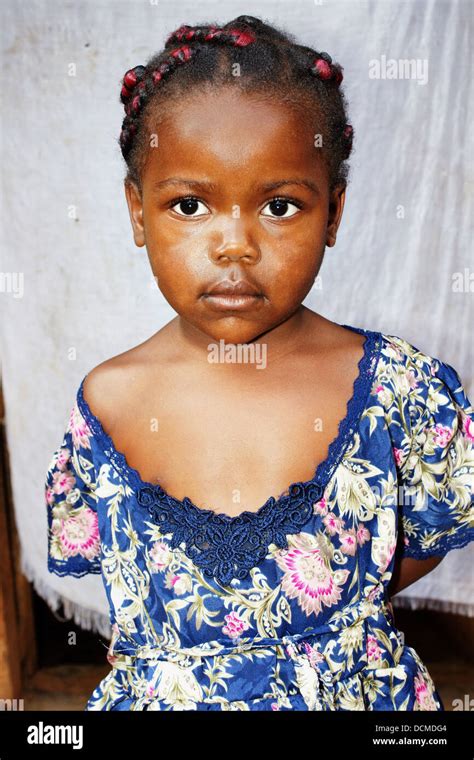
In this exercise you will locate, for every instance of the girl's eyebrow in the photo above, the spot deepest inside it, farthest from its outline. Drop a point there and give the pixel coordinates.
(198, 185)
(309, 184)
(206, 185)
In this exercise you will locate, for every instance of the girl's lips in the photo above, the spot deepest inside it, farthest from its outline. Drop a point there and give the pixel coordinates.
(221, 302)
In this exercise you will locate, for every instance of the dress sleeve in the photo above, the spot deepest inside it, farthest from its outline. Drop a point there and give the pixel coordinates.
(435, 503)
(71, 503)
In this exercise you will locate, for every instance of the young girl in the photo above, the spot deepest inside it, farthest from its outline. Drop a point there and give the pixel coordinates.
(228, 588)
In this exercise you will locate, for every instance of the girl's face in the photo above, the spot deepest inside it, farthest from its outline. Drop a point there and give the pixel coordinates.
(208, 211)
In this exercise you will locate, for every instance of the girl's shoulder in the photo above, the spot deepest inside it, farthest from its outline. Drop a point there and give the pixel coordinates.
(114, 384)
(421, 392)
(418, 366)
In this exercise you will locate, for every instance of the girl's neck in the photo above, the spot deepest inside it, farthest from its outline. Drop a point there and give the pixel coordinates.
(279, 340)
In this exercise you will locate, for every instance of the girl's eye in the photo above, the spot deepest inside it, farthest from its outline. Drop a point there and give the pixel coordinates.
(189, 205)
(280, 206)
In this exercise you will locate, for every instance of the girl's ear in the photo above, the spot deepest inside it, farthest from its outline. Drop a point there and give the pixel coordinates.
(336, 207)
(135, 209)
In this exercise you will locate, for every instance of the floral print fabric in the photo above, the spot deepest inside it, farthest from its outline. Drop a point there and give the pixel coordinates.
(285, 608)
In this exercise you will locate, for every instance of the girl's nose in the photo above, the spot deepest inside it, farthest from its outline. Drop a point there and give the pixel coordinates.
(235, 252)
(236, 243)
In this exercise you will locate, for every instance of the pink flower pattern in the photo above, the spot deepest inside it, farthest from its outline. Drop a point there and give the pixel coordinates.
(234, 625)
(424, 698)
(63, 481)
(468, 427)
(308, 577)
(374, 651)
(160, 555)
(348, 541)
(442, 435)
(80, 535)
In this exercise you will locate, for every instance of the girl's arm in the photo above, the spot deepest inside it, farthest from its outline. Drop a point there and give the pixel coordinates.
(409, 570)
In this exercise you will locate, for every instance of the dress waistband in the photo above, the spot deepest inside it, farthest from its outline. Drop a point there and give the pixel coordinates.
(353, 615)
(316, 676)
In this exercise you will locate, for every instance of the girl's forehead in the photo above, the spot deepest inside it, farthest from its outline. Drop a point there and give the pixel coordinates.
(234, 115)
(248, 133)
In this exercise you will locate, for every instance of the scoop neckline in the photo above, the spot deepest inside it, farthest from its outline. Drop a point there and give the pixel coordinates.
(361, 387)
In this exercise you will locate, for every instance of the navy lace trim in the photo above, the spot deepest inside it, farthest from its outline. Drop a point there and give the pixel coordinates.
(227, 547)
(441, 548)
(69, 568)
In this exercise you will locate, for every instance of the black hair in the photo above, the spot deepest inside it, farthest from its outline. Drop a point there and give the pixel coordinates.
(270, 63)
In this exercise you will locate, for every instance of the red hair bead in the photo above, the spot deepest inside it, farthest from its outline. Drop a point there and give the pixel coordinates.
(323, 68)
(159, 72)
(214, 31)
(130, 79)
(240, 38)
(183, 52)
(183, 31)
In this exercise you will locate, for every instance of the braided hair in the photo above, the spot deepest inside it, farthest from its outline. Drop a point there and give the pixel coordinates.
(270, 62)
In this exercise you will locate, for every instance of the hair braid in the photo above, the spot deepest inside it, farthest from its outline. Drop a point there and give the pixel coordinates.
(277, 62)
(135, 91)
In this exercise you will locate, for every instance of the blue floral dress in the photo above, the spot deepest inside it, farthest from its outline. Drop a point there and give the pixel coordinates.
(285, 608)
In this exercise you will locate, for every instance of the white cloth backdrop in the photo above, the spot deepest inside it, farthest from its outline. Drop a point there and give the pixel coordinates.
(78, 291)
